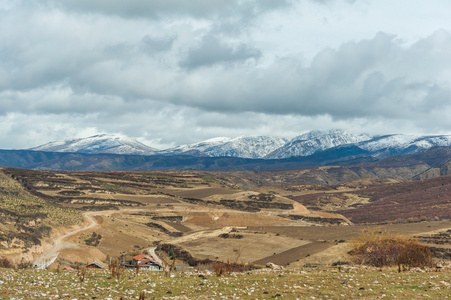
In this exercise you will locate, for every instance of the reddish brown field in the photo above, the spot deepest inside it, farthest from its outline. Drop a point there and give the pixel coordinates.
(406, 201)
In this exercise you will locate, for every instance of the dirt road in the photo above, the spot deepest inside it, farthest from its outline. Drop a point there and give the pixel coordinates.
(156, 257)
(200, 234)
(48, 257)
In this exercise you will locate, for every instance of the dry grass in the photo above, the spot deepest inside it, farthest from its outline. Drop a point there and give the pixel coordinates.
(309, 283)
(15, 199)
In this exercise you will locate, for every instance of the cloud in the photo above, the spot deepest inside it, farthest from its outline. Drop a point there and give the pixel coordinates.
(165, 8)
(212, 51)
(367, 78)
(378, 77)
(172, 73)
(158, 44)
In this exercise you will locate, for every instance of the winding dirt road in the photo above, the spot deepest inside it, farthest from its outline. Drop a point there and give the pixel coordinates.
(48, 257)
(155, 256)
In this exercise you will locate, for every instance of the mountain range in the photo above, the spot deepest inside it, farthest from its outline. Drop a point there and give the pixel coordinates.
(258, 147)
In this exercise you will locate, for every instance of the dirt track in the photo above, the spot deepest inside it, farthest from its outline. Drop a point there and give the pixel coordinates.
(48, 257)
(200, 234)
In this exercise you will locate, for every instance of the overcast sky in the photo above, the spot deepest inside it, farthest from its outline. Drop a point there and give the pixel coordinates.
(170, 72)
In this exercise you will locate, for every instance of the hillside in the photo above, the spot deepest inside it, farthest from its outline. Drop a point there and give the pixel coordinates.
(382, 201)
(353, 163)
(27, 221)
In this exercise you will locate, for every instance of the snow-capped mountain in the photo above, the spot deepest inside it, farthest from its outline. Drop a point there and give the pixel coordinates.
(317, 140)
(398, 144)
(246, 147)
(103, 143)
(259, 146)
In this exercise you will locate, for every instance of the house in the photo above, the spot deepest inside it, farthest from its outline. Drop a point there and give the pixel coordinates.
(94, 265)
(145, 262)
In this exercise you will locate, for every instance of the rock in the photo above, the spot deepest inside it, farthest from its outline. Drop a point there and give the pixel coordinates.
(274, 266)
(417, 270)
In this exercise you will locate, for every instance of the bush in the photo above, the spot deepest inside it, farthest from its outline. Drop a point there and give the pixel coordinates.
(5, 263)
(180, 254)
(94, 239)
(379, 249)
(25, 264)
(230, 235)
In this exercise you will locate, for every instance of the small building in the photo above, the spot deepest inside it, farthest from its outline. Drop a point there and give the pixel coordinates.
(94, 265)
(145, 262)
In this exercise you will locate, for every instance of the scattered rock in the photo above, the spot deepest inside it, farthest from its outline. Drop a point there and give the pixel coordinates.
(274, 266)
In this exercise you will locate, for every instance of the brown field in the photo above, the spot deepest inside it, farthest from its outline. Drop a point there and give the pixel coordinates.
(286, 223)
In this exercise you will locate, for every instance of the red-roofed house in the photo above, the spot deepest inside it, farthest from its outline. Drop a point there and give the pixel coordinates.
(146, 262)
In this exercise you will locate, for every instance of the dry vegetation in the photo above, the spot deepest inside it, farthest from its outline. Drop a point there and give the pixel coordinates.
(382, 249)
(27, 221)
(378, 201)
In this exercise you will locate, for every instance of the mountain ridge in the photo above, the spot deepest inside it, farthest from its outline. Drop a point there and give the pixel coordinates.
(102, 143)
(257, 147)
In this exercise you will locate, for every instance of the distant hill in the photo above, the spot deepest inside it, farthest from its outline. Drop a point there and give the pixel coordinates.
(354, 162)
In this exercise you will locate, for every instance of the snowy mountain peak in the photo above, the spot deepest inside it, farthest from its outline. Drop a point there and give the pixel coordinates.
(247, 147)
(102, 143)
(316, 140)
(217, 140)
(399, 144)
(333, 134)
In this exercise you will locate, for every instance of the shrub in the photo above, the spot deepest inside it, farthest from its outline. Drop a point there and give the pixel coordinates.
(180, 254)
(379, 249)
(116, 268)
(25, 264)
(94, 239)
(5, 263)
(220, 267)
(230, 235)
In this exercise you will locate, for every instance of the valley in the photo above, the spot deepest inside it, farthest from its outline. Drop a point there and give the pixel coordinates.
(213, 216)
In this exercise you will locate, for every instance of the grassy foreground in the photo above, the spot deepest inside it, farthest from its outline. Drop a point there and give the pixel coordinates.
(307, 283)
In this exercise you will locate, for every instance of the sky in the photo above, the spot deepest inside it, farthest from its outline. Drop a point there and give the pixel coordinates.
(171, 72)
